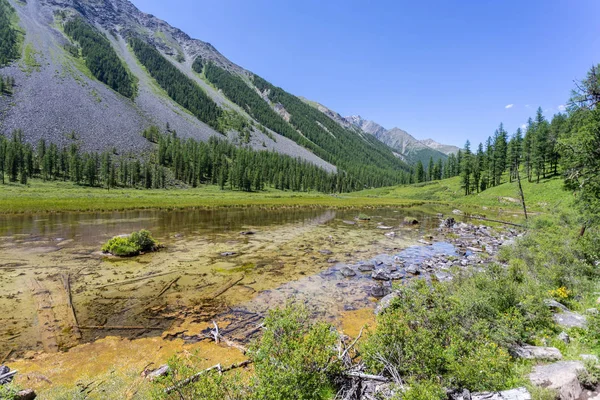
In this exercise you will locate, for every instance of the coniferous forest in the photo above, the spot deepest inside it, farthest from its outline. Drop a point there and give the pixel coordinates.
(179, 87)
(9, 49)
(100, 57)
(174, 161)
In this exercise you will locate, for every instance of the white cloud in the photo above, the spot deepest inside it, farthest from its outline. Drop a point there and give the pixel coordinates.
(562, 107)
(509, 106)
(527, 106)
(524, 126)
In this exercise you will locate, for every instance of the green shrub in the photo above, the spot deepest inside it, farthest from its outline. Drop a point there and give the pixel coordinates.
(294, 359)
(208, 386)
(132, 245)
(432, 331)
(423, 390)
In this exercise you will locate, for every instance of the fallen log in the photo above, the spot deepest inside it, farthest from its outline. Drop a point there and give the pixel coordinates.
(127, 281)
(195, 377)
(66, 279)
(226, 287)
(377, 378)
(497, 221)
(100, 327)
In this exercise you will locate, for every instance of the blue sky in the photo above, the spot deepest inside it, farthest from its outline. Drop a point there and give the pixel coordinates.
(449, 70)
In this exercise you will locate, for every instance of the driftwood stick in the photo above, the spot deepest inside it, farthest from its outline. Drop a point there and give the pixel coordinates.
(498, 221)
(215, 332)
(100, 327)
(8, 375)
(353, 343)
(6, 356)
(125, 282)
(195, 377)
(167, 287)
(376, 378)
(227, 286)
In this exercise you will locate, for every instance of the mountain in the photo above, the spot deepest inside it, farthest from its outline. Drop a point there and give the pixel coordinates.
(405, 145)
(96, 73)
(444, 148)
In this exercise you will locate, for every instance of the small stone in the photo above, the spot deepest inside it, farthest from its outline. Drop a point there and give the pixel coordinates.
(380, 291)
(390, 234)
(457, 212)
(366, 268)
(592, 311)
(228, 254)
(247, 233)
(163, 370)
(326, 252)
(385, 302)
(555, 305)
(27, 394)
(413, 269)
(332, 261)
(395, 276)
(347, 272)
(564, 336)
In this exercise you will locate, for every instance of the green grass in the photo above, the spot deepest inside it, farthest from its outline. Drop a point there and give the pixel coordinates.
(58, 196)
(30, 60)
(41, 196)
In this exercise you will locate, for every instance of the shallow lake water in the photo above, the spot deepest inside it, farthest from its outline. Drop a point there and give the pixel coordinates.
(53, 276)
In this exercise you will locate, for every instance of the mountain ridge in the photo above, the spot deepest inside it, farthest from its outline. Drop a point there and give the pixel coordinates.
(61, 100)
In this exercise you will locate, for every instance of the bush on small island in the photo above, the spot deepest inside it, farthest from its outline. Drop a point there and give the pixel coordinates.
(132, 245)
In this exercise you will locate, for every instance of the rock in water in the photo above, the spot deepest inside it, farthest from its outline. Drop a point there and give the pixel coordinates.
(537, 353)
(560, 376)
(381, 275)
(366, 268)
(380, 291)
(347, 272)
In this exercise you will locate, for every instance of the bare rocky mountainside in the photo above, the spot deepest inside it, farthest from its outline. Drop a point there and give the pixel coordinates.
(58, 96)
(405, 146)
(409, 148)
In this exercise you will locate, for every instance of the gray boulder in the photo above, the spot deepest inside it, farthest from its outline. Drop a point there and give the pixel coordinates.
(380, 291)
(381, 275)
(513, 394)
(385, 302)
(366, 268)
(560, 376)
(555, 305)
(537, 353)
(413, 269)
(569, 319)
(347, 272)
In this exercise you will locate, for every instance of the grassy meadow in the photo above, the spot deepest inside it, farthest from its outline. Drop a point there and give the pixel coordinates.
(38, 196)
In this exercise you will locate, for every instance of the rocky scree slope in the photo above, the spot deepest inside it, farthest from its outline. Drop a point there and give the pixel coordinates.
(56, 97)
